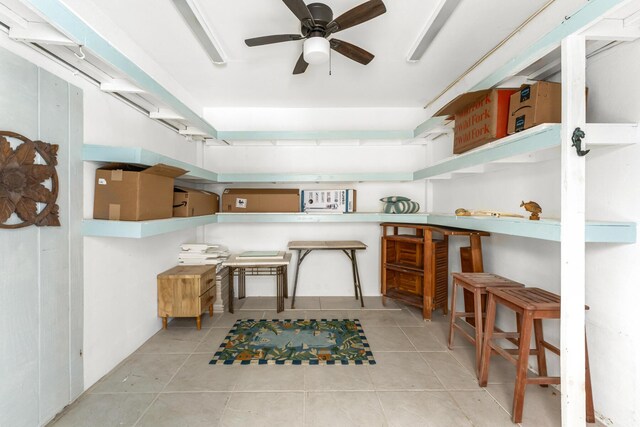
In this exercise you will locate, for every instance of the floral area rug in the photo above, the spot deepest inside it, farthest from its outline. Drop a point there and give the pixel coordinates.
(295, 342)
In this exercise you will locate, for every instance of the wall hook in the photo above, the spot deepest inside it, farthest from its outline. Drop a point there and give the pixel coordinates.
(81, 55)
(576, 138)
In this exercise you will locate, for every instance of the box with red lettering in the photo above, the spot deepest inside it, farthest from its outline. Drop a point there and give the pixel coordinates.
(480, 117)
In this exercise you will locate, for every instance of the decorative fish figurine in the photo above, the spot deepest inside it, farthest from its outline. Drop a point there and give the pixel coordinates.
(532, 207)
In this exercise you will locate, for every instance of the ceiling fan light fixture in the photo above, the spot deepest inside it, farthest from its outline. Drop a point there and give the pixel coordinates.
(316, 50)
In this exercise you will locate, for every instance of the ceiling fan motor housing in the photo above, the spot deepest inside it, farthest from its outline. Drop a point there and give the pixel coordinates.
(322, 14)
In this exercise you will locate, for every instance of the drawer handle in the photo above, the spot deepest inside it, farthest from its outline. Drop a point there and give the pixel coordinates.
(209, 281)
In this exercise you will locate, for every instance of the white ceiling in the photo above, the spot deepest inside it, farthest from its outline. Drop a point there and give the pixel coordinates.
(261, 76)
(153, 34)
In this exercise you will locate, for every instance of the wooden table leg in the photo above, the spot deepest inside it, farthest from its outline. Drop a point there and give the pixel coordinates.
(477, 298)
(591, 415)
(198, 323)
(211, 310)
(165, 320)
(383, 260)
(452, 314)
(489, 324)
(230, 289)
(428, 278)
(522, 367)
(475, 265)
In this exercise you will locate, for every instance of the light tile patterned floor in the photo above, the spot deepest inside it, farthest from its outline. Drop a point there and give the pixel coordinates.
(417, 381)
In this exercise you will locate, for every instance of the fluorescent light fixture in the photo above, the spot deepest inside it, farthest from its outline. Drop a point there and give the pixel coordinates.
(316, 50)
(192, 131)
(119, 86)
(437, 20)
(198, 25)
(39, 32)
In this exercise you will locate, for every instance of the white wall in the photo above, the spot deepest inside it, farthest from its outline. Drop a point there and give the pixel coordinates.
(120, 274)
(322, 273)
(612, 291)
(120, 298)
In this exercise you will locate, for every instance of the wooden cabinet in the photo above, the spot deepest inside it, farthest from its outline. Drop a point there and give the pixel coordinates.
(186, 291)
(415, 263)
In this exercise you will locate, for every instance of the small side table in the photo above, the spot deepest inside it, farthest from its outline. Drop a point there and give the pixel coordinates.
(186, 291)
(258, 267)
(349, 247)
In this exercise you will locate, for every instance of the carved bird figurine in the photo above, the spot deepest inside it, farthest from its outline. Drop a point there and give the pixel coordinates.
(532, 207)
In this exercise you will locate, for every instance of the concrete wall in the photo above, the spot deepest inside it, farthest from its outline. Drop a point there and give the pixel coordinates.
(612, 291)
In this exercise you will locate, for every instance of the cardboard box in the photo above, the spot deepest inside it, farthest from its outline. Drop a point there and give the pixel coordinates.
(339, 201)
(535, 104)
(134, 193)
(193, 202)
(480, 117)
(260, 200)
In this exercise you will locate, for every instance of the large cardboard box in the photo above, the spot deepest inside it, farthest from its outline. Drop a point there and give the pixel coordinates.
(338, 201)
(134, 193)
(535, 104)
(260, 200)
(480, 117)
(194, 202)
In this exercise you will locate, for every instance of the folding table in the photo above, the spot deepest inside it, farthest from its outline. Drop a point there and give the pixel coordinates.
(349, 247)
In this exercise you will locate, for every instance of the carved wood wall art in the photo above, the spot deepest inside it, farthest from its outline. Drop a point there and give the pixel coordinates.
(21, 181)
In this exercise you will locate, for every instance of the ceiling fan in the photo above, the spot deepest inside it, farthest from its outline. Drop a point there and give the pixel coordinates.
(317, 24)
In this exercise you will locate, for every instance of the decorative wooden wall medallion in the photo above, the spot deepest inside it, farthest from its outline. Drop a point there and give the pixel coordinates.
(21, 181)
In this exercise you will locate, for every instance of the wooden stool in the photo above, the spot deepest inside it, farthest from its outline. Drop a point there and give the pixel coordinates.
(533, 305)
(476, 284)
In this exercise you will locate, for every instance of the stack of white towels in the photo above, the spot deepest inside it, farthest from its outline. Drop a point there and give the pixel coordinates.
(202, 254)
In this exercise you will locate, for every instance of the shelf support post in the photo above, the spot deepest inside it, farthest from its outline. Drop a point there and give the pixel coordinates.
(572, 246)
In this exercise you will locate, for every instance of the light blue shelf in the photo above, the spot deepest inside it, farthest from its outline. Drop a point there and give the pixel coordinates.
(140, 229)
(302, 178)
(535, 139)
(596, 231)
(542, 137)
(140, 156)
(544, 229)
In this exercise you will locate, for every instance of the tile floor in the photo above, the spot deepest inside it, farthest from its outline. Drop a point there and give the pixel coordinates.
(417, 381)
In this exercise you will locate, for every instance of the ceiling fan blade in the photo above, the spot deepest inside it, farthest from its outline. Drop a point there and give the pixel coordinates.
(301, 65)
(357, 15)
(300, 9)
(276, 38)
(351, 51)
